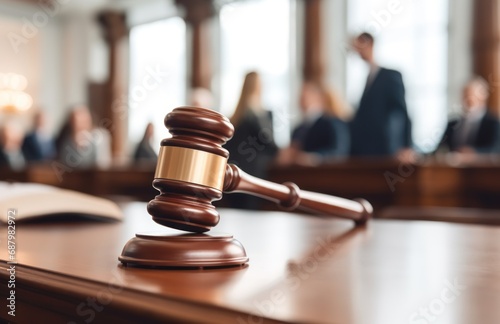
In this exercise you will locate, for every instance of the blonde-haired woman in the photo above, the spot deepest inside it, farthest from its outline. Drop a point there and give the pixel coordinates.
(335, 105)
(252, 147)
(322, 135)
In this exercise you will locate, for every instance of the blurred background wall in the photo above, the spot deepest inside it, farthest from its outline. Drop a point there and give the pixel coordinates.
(100, 52)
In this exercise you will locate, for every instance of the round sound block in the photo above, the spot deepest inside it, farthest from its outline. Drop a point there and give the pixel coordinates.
(183, 251)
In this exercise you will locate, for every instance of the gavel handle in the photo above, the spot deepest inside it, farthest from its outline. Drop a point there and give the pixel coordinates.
(290, 197)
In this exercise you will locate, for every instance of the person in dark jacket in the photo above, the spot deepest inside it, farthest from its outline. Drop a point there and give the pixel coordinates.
(381, 126)
(321, 136)
(477, 131)
(11, 155)
(144, 151)
(38, 145)
(252, 147)
(76, 146)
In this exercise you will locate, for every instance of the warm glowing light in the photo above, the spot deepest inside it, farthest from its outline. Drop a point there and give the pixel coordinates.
(12, 95)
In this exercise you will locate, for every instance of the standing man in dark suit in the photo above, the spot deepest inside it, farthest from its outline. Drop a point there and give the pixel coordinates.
(477, 131)
(381, 126)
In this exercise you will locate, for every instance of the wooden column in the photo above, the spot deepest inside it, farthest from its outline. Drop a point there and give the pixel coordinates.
(196, 15)
(486, 47)
(114, 30)
(201, 74)
(314, 56)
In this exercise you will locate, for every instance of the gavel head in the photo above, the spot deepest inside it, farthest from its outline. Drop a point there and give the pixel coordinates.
(191, 169)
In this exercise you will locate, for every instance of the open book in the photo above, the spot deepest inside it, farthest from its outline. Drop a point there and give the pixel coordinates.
(31, 201)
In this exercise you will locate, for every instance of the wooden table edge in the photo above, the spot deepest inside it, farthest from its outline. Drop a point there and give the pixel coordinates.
(62, 294)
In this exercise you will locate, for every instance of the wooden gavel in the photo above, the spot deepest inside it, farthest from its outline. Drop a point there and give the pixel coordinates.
(192, 171)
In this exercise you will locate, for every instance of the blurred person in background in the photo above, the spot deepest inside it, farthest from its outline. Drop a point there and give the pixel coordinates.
(38, 145)
(381, 126)
(477, 131)
(144, 151)
(335, 105)
(322, 135)
(252, 147)
(11, 154)
(76, 144)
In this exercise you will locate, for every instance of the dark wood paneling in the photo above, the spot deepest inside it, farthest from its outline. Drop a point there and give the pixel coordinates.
(486, 47)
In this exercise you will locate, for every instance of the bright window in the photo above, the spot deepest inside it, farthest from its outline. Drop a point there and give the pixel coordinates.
(412, 37)
(255, 36)
(157, 75)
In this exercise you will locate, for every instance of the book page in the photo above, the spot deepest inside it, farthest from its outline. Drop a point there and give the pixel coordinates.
(37, 200)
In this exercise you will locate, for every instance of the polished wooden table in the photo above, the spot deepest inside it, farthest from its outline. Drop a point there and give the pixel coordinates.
(302, 269)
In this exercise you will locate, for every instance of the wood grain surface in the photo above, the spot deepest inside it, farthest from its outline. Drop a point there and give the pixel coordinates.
(302, 269)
